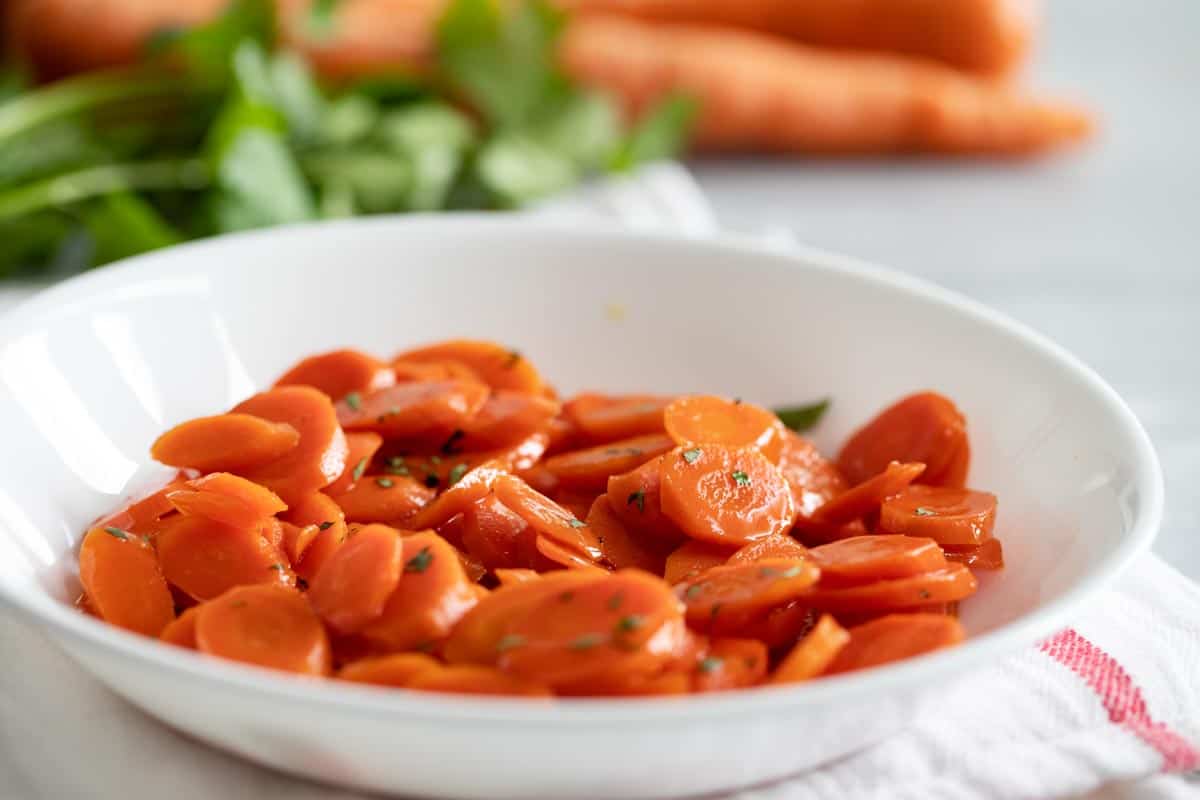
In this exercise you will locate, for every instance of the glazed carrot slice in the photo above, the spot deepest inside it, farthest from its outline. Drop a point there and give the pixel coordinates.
(496, 536)
(474, 679)
(316, 509)
(988, 555)
(123, 582)
(355, 582)
(780, 626)
(723, 596)
(204, 558)
(474, 569)
(707, 419)
(868, 496)
(397, 669)
(228, 499)
(548, 518)
(321, 455)
(670, 682)
(693, 558)
(863, 559)
(636, 498)
(731, 664)
(268, 626)
(948, 516)
(479, 637)
(604, 418)
(813, 654)
(434, 371)
(506, 418)
(592, 467)
(439, 471)
(554, 555)
(626, 622)
(474, 485)
(512, 576)
(955, 474)
(340, 373)
(577, 501)
(142, 516)
(181, 631)
(225, 442)
(384, 498)
(946, 585)
(718, 494)
(498, 366)
(622, 549)
(563, 433)
(813, 479)
(432, 409)
(296, 540)
(780, 546)
(540, 478)
(925, 428)
(361, 447)
(432, 595)
(896, 637)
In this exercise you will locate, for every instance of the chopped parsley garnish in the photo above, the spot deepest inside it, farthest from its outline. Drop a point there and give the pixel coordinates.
(450, 446)
(118, 533)
(922, 511)
(396, 466)
(435, 460)
(326, 525)
(509, 642)
(801, 418)
(693, 591)
(615, 601)
(741, 478)
(710, 664)
(638, 497)
(630, 622)
(576, 523)
(456, 473)
(690, 456)
(587, 641)
(791, 572)
(354, 400)
(359, 468)
(384, 483)
(420, 562)
(277, 567)
(925, 595)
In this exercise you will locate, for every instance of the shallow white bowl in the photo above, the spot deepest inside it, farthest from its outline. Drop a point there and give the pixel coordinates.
(93, 369)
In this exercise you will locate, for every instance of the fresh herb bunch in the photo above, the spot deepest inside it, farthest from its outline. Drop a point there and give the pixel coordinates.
(219, 131)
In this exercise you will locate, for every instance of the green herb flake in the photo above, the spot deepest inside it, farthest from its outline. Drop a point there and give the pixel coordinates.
(587, 641)
(456, 474)
(384, 483)
(420, 562)
(690, 456)
(396, 466)
(741, 478)
(710, 664)
(925, 595)
(638, 497)
(630, 622)
(803, 418)
(117, 533)
(693, 591)
(615, 601)
(509, 642)
(435, 460)
(922, 511)
(359, 468)
(576, 523)
(354, 400)
(791, 572)
(326, 525)
(277, 567)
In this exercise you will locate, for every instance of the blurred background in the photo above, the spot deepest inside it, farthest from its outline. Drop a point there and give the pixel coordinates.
(1038, 157)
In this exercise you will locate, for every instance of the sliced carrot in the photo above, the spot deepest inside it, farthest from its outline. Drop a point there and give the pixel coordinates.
(473, 567)
(955, 474)
(731, 664)
(636, 498)
(512, 576)
(876, 557)
(540, 478)
(506, 418)
(669, 682)
(268, 626)
(205, 558)
(142, 516)
(813, 479)
(813, 654)
(780, 626)
(397, 669)
(868, 496)
(297, 539)
(225, 442)
(361, 448)
(321, 455)
(434, 371)
(722, 495)
(384, 498)
(625, 622)
(707, 419)
(692, 558)
(355, 582)
(781, 546)
(563, 433)
(432, 595)
(428, 410)
(988, 555)
(474, 485)
(228, 499)
(340, 373)
(925, 428)
(478, 638)
(606, 418)
(181, 631)
(548, 518)
(722, 597)
(316, 508)
(475, 679)
(621, 548)
(946, 585)
(592, 467)
(123, 582)
(554, 555)
(896, 637)
(498, 366)
(577, 501)
(496, 536)
(948, 516)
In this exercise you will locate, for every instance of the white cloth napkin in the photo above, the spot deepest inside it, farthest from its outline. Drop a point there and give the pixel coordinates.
(1108, 708)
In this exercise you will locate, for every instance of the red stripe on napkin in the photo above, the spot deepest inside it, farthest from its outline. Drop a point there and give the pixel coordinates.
(1121, 698)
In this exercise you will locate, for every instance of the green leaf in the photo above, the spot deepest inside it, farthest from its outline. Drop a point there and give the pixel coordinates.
(348, 120)
(207, 51)
(297, 97)
(802, 418)
(259, 183)
(30, 242)
(584, 126)
(13, 81)
(54, 147)
(659, 134)
(367, 180)
(123, 225)
(434, 139)
(320, 17)
(517, 169)
(84, 184)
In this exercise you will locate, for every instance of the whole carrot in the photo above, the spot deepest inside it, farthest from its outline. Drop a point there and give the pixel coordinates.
(985, 36)
(761, 93)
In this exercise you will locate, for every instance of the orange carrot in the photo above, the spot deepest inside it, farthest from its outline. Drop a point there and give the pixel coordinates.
(360, 449)
(988, 555)
(706, 419)
(946, 585)
(296, 540)
(621, 548)
(862, 559)
(384, 498)
(268, 626)
(948, 516)
(813, 479)
(692, 558)
(782, 546)
(228, 499)
(813, 654)
(868, 496)
(499, 367)
(548, 519)
(923, 427)
(496, 536)
(340, 373)
(205, 558)
(606, 418)
(181, 631)
(474, 679)
(123, 582)
(142, 516)
(731, 664)
(398, 669)
(224, 442)
(636, 499)
(722, 597)
(510, 577)
(473, 486)
(895, 637)
(790, 98)
(506, 418)
(591, 468)
(316, 509)
(353, 585)
(429, 410)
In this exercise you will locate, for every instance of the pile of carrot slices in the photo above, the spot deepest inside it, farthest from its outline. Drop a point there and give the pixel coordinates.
(444, 522)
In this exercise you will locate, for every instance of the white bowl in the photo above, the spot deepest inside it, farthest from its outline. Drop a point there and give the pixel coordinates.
(92, 370)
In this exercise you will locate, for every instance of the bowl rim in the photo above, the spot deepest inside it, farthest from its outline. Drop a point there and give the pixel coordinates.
(72, 628)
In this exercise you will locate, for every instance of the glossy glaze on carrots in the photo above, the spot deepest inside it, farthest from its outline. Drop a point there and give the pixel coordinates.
(443, 522)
